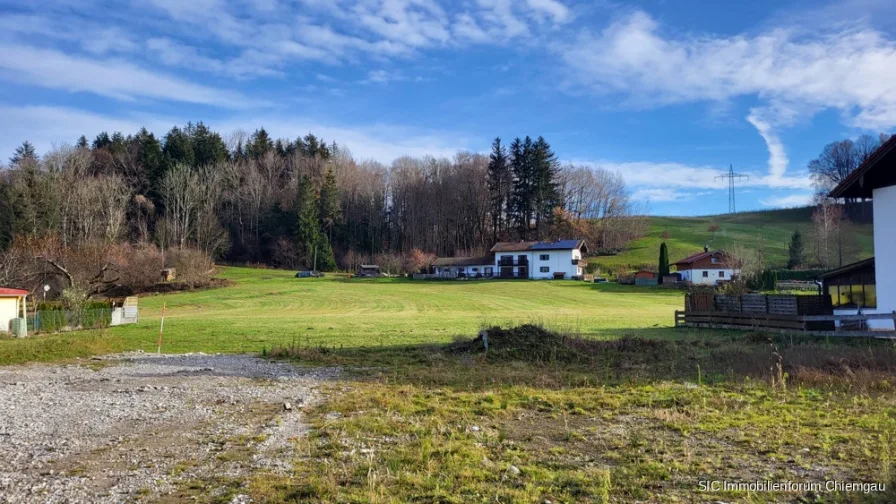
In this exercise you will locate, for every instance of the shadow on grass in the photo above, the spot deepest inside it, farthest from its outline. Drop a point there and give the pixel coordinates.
(544, 358)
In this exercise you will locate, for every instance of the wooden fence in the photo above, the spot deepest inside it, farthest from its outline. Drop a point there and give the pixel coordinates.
(773, 304)
(817, 325)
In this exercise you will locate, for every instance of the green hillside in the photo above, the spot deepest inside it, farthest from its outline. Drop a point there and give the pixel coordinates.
(689, 234)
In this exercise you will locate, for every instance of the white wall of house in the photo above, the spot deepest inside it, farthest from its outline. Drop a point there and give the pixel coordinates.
(707, 276)
(555, 261)
(884, 200)
(470, 271)
(9, 309)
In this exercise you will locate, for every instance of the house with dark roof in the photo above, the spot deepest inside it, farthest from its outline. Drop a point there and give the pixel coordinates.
(874, 179)
(709, 267)
(559, 259)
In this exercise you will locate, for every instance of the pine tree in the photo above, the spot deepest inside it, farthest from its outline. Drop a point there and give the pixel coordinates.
(545, 192)
(178, 148)
(149, 151)
(23, 153)
(326, 260)
(795, 251)
(102, 140)
(208, 146)
(308, 237)
(259, 144)
(329, 203)
(499, 187)
(82, 142)
(664, 262)
(522, 195)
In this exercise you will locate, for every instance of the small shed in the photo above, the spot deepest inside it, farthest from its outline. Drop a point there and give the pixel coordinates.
(671, 280)
(645, 277)
(369, 270)
(12, 307)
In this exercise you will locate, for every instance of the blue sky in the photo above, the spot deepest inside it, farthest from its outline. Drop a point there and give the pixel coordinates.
(667, 93)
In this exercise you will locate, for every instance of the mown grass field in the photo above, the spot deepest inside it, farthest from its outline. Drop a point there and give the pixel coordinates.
(269, 307)
(689, 234)
(644, 415)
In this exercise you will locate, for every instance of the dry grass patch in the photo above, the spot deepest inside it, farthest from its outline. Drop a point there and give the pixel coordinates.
(568, 420)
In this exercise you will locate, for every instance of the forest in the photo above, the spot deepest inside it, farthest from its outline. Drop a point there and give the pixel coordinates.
(249, 198)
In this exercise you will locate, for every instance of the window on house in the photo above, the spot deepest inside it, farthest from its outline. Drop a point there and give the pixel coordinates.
(544, 257)
(849, 296)
(714, 260)
(705, 274)
(489, 271)
(545, 269)
(721, 274)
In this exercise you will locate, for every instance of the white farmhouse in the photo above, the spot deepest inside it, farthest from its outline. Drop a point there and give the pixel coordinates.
(707, 268)
(875, 179)
(540, 260)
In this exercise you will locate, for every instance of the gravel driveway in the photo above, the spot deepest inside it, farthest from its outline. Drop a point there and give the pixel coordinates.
(142, 426)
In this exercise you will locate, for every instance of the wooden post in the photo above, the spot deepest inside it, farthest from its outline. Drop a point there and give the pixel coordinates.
(161, 327)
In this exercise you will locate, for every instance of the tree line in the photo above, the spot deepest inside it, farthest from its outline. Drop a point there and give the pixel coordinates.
(303, 202)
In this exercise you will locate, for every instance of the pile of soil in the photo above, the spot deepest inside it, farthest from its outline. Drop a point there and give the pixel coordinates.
(534, 343)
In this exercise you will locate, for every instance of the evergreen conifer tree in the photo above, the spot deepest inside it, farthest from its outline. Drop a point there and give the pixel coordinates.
(308, 237)
(329, 203)
(796, 254)
(664, 262)
(499, 187)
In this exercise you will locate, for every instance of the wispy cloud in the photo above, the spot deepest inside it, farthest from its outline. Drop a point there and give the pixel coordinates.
(113, 78)
(552, 8)
(665, 195)
(383, 77)
(788, 201)
(795, 75)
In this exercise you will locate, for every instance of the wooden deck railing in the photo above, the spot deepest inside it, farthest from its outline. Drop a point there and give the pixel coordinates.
(767, 322)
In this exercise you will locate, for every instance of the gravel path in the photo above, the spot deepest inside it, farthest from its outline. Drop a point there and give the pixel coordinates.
(142, 426)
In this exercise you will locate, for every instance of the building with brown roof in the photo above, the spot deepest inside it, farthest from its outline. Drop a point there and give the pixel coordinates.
(707, 268)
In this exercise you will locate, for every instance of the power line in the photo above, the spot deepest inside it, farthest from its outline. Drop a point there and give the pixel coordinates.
(731, 176)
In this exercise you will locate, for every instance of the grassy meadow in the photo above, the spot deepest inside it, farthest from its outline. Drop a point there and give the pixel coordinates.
(615, 405)
(266, 308)
(689, 234)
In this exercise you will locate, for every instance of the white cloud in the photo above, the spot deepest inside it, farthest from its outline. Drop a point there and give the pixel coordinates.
(791, 200)
(851, 70)
(670, 175)
(500, 13)
(46, 126)
(662, 195)
(555, 9)
(113, 78)
(383, 77)
(777, 157)
(649, 174)
(842, 70)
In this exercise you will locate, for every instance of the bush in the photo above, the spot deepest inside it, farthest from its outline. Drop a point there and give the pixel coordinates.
(193, 267)
(140, 266)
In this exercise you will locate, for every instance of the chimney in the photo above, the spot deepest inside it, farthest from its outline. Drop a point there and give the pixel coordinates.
(706, 248)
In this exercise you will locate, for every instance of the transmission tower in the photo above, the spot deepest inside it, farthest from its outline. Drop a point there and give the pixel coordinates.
(731, 176)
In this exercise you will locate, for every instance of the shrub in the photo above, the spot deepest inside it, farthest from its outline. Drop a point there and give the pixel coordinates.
(139, 265)
(193, 267)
